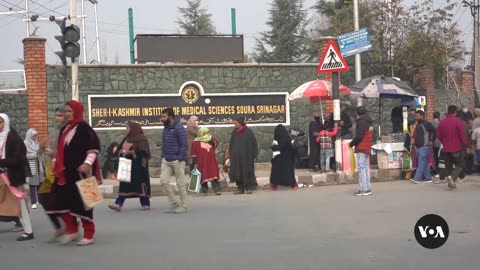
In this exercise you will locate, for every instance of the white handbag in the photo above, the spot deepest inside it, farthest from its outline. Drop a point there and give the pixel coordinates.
(124, 173)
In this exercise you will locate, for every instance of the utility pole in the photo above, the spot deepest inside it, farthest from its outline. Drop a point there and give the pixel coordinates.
(27, 16)
(132, 38)
(73, 20)
(84, 34)
(389, 36)
(95, 3)
(474, 8)
(358, 59)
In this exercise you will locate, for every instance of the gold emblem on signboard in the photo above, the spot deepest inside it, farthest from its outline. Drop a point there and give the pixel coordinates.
(190, 94)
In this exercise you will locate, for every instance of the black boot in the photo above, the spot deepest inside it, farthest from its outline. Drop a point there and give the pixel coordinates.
(240, 190)
(216, 187)
(249, 189)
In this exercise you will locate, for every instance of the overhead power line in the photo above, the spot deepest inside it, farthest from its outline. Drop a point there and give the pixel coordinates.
(47, 8)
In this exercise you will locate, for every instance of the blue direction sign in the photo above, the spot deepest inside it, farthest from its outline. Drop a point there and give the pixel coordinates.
(354, 42)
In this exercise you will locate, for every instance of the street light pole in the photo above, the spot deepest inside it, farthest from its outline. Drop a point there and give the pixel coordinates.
(27, 16)
(97, 32)
(84, 34)
(358, 58)
(73, 20)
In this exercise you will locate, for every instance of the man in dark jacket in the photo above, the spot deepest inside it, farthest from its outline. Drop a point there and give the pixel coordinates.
(397, 119)
(423, 139)
(436, 145)
(451, 132)
(363, 148)
(345, 126)
(314, 128)
(174, 153)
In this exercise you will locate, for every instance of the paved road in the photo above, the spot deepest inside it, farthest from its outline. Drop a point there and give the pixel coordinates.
(317, 228)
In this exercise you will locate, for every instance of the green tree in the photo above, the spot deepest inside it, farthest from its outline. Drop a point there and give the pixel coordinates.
(287, 40)
(404, 38)
(195, 20)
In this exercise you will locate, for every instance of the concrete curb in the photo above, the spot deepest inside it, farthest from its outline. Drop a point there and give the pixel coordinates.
(310, 180)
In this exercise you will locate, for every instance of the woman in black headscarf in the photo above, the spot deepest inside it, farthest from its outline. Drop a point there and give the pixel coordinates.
(135, 146)
(283, 161)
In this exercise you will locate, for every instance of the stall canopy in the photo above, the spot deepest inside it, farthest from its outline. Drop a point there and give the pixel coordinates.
(317, 90)
(383, 87)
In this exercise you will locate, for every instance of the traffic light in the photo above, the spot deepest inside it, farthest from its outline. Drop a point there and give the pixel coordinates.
(68, 41)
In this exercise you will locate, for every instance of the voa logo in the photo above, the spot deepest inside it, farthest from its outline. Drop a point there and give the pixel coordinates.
(431, 231)
(427, 231)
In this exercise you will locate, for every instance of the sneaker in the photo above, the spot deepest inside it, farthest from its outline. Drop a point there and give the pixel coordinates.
(173, 207)
(249, 192)
(145, 208)
(115, 207)
(180, 210)
(358, 193)
(367, 193)
(436, 176)
(451, 183)
(461, 180)
(415, 181)
(66, 239)
(26, 237)
(34, 206)
(85, 242)
(58, 233)
(427, 181)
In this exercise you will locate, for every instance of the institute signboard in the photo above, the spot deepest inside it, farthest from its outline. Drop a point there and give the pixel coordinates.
(110, 112)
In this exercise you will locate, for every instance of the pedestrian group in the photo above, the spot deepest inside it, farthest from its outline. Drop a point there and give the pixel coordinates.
(34, 173)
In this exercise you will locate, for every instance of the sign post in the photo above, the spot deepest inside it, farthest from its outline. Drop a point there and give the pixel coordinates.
(333, 62)
(355, 43)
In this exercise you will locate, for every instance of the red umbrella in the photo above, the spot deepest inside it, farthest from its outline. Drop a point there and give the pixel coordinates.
(317, 90)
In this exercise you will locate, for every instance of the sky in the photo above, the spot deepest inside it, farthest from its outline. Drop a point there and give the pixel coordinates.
(150, 16)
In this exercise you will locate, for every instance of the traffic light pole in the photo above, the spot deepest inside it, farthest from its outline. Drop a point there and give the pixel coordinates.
(73, 20)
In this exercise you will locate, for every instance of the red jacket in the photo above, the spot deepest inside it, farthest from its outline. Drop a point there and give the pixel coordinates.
(363, 136)
(451, 132)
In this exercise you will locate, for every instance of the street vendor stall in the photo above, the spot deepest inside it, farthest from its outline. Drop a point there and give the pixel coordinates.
(384, 87)
(316, 91)
(389, 155)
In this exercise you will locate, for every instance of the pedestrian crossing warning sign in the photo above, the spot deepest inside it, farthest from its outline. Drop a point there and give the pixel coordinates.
(332, 60)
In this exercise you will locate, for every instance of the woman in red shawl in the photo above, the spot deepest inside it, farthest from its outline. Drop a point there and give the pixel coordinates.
(204, 159)
(78, 149)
